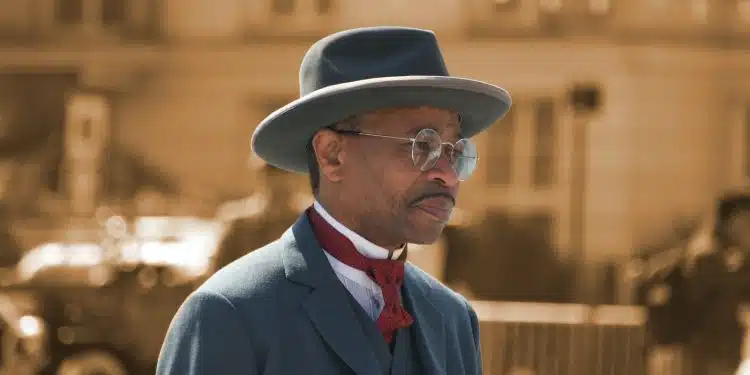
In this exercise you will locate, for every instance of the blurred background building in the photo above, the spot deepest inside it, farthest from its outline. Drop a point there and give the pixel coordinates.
(627, 114)
(629, 117)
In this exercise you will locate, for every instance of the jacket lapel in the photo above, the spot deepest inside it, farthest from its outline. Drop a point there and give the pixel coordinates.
(428, 326)
(327, 305)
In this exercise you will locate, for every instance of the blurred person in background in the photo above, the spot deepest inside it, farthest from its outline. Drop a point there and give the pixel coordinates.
(382, 130)
(719, 289)
(258, 219)
(660, 273)
(664, 294)
(10, 248)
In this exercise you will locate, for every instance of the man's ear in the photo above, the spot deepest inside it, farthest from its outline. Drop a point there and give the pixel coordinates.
(328, 149)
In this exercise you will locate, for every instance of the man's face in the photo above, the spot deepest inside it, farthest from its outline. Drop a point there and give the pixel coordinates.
(738, 229)
(379, 179)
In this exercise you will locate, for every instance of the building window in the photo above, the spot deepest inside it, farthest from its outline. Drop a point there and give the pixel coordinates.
(69, 12)
(545, 133)
(500, 151)
(746, 130)
(283, 7)
(113, 12)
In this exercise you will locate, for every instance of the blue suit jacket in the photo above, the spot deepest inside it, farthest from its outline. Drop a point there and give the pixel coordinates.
(280, 310)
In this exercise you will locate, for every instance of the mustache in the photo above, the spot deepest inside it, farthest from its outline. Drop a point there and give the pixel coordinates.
(435, 193)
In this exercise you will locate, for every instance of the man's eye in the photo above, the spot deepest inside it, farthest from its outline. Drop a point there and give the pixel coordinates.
(422, 146)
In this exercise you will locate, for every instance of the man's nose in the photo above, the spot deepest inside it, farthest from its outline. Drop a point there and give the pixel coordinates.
(444, 173)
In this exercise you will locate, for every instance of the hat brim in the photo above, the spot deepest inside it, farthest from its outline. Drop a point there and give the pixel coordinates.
(281, 138)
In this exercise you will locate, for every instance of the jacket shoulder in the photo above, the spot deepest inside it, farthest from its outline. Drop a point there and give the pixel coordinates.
(450, 302)
(255, 275)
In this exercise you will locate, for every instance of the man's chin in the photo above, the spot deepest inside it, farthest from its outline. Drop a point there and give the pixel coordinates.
(425, 237)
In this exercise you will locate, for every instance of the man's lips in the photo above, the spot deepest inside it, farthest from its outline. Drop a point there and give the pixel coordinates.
(439, 207)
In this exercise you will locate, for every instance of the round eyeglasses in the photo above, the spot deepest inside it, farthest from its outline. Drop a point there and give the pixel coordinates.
(427, 147)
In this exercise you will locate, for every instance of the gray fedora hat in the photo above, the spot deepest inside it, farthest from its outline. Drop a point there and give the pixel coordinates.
(361, 70)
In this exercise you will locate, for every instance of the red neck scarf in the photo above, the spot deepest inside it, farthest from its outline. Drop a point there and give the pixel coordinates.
(387, 273)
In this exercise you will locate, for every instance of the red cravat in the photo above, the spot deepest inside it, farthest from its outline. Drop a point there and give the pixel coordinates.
(387, 273)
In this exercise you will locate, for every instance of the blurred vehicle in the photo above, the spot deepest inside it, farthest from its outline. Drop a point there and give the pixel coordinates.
(108, 304)
(107, 310)
(492, 255)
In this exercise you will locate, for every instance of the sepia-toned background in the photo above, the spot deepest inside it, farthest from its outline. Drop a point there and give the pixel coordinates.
(124, 158)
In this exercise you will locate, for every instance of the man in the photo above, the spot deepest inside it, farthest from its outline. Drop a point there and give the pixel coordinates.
(250, 229)
(718, 290)
(381, 129)
(661, 288)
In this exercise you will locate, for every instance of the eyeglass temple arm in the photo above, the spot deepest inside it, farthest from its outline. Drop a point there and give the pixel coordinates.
(383, 136)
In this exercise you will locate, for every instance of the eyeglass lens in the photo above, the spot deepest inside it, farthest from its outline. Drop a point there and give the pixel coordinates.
(428, 147)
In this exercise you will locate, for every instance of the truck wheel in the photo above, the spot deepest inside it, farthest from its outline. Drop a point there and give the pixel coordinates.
(92, 362)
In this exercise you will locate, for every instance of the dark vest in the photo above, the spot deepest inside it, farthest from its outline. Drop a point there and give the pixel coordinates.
(403, 358)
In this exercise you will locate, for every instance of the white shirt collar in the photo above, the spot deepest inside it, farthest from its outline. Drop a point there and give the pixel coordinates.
(362, 245)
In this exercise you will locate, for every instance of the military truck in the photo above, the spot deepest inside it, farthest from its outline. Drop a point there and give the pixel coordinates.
(106, 311)
(100, 318)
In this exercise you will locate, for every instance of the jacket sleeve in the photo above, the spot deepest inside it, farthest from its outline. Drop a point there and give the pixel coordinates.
(475, 367)
(207, 337)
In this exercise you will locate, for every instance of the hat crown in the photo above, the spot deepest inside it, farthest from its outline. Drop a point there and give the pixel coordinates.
(370, 52)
